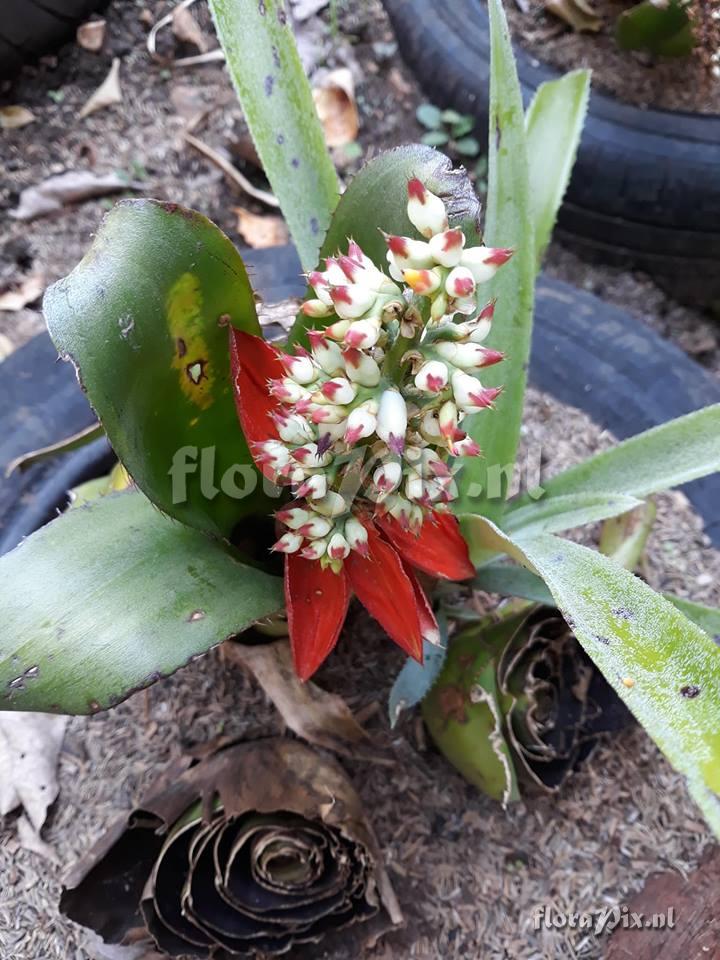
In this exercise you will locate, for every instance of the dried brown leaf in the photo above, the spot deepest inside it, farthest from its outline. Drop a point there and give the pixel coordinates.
(91, 35)
(257, 231)
(272, 777)
(107, 94)
(314, 714)
(15, 116)
(335, 103)
(579, 14)
(29, 748)
(188, 30)
(70, 187)
(27, 290)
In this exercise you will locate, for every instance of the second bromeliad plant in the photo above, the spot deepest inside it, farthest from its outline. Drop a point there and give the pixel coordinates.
(380, 427)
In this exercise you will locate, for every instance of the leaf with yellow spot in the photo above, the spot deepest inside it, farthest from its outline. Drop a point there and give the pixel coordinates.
(143, 317)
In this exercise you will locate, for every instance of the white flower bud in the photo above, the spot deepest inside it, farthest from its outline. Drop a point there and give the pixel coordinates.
(361, 368)
(288, 543)
(422, 282)
(293, 517)
(315, 527)
(337, 330)
(301, 369)
(334, 272)
(399, 508)
(326, 354)
(356, 536)
(321, 285)
(466, 447)
(328, 413)
(469, 356)
(338, 547)
(275, 454)
(395, 272)
(314, 487)
(409, 254)
(447, 247)
(460, 283)
(360, 424)
(315, 549)
(362, 334)
(339, 390)
(288, 390)
(430, 427)
(414, 487)
(316, 308)
(392, 420)
(484, 262)
(432, 377)
(352, 300)
(470, 394)
(294, 428)
(388, 477)
(426, 212)
(310, 457)
(448, 419)
(331, 505)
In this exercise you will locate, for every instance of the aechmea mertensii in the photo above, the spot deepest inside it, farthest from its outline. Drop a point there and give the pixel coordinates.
(361, 426)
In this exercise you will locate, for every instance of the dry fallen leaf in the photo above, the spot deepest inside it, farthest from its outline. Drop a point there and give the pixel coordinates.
(310, 712)
(71, 187)
(107, 93)
(580, 14)
(335, 103)
(29, 748)
(91, 35)
(259, 231)
(25, 291)
(15, 116)
(188, 30)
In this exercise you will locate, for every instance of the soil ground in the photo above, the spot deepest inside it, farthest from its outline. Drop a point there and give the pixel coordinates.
(670, 83)
(469, 876)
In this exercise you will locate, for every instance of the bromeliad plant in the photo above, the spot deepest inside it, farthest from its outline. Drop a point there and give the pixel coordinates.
(384, 431)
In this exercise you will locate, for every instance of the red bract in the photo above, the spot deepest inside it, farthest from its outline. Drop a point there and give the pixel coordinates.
(380, 575)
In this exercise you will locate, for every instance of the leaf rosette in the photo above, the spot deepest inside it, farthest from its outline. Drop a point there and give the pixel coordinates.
(521, 702)
(256, 850)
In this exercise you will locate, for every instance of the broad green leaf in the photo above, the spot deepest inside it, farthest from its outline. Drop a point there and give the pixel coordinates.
(665, 668)
(508, 224)
(554, 124)
(143, 319)
(110, 597)
(661, 458)
(624, 538)
(376, 200)
(415, 679)
(512, 581)
(276, 98)
(463, 714)
(663, 30)
(430, 116)
(707, 618)
(563, 513)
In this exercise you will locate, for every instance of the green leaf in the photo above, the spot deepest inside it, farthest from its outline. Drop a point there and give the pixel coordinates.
(664, 31)
(661, 458)
(508, 224)
(276, 98)
(429, 116)
(624, 538)
(143, 319)
(453, 117)
(563, 513)
(665, 668)
(376, 199)
(554, 123)
(462, 126)
(435, 138)
(415, 679)
(73, 442)
(110, 597)
(707, 618)
(467, 147)
(463, 714)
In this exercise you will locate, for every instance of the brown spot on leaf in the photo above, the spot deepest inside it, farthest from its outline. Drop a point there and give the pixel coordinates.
(196, 371)
(181, 347)
(452, 704)
(690, 691)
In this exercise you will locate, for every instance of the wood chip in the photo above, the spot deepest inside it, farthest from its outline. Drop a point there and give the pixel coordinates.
(15, 116)
(107, 94)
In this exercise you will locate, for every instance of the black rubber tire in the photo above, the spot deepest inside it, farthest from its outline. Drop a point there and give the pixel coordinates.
(646, 185)
(588, 354)
(31, 28)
